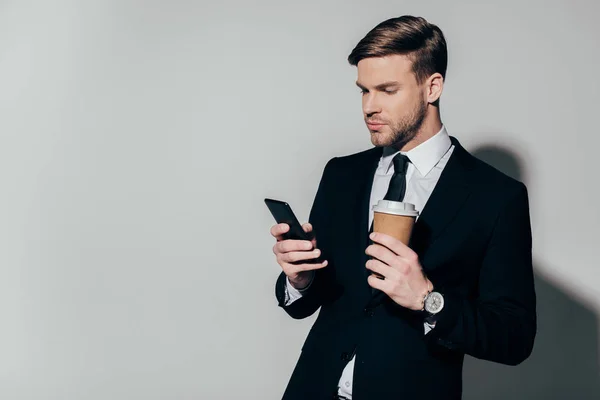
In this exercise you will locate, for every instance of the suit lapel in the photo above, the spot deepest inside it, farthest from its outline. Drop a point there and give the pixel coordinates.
(367, 184)
(445, 201)
(365, 175)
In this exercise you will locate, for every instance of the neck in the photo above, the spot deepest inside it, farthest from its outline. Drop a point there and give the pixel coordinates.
(432, 124)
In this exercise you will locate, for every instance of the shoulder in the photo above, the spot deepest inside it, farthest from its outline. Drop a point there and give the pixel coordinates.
(494, 182)
(354, 160)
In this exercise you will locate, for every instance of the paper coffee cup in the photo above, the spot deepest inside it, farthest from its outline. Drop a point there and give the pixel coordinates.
(395, 218)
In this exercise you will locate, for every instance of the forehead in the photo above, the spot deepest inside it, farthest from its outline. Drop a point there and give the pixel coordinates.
(376, 69)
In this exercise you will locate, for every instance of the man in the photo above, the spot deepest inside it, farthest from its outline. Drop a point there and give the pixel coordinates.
(463, 285)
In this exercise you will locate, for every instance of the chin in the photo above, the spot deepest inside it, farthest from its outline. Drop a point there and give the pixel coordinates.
(380, 139)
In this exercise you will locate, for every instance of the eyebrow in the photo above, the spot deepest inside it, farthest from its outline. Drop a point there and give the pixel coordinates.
(381, 86)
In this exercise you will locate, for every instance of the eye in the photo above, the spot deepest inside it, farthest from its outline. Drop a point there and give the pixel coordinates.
(363, 91)
(393, 91)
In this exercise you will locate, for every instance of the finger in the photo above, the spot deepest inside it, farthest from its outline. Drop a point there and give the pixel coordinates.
(286, 246)
(392, 243)
(382, 269)
(295, 268)
(308, 228)
(295, 256)
(278, 230)
(376, 283)
(381, 253)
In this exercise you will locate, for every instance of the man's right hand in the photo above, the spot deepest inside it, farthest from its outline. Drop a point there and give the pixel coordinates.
(291, 254)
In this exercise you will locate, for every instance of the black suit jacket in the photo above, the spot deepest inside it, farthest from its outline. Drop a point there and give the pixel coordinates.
(473, 239)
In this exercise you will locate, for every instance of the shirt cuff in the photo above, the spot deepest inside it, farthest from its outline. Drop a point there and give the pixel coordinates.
(291, 293)
(428, 327)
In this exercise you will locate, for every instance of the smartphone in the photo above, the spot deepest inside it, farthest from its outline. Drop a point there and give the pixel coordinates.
(283, 214)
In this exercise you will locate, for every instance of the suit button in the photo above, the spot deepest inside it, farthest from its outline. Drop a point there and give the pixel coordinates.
(369, 311)
(345, 356)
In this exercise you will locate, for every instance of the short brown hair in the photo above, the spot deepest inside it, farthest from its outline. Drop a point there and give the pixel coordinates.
(423, 42)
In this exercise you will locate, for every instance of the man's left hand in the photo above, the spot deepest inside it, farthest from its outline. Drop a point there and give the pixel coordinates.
(404, 280)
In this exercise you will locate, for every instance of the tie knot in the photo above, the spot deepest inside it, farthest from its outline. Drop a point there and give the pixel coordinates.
(400, 163)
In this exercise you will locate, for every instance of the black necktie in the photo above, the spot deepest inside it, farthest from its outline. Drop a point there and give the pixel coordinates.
(397, 187)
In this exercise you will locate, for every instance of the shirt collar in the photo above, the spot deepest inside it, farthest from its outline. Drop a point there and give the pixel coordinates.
(425, 156)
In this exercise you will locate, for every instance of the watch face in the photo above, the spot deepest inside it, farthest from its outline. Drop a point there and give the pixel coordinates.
(434, 303)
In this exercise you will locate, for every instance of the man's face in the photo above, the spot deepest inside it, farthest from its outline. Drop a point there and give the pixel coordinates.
(393, 103)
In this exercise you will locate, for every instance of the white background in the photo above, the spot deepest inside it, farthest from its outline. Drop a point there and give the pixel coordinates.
(139, 138)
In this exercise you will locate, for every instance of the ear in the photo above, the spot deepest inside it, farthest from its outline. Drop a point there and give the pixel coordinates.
(434, 87)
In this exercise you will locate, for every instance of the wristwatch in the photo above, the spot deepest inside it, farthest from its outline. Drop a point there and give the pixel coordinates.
(433, 303)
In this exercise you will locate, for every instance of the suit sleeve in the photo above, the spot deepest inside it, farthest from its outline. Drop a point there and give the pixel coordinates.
(499, 324)
(316, 293)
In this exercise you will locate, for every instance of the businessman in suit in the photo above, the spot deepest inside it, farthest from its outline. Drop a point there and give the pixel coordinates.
(395, 321)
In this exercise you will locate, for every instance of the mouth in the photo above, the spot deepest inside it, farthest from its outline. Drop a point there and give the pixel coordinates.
(374, 126)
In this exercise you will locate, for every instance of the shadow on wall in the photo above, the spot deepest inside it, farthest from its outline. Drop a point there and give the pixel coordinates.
(564, 362)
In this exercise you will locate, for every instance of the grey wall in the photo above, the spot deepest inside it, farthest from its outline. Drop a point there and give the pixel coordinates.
(138, 139)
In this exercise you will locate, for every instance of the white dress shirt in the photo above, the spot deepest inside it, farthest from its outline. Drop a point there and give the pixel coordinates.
(427, 162)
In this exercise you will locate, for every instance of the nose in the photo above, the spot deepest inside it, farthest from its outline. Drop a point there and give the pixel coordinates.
(370, 104)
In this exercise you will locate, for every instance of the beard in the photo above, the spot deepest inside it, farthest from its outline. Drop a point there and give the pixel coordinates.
(402, 131)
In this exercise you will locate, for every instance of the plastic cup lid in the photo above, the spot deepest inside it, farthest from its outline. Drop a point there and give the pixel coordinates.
(396, 208)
